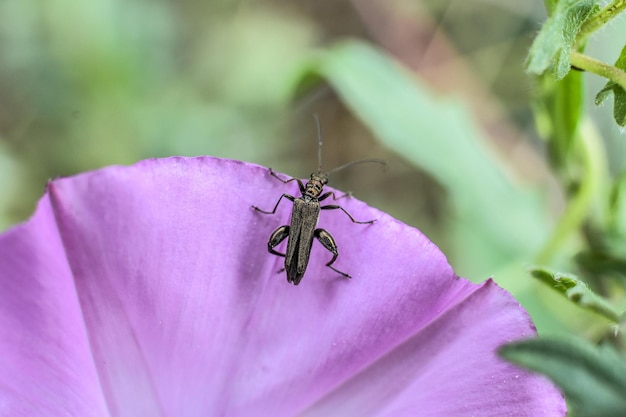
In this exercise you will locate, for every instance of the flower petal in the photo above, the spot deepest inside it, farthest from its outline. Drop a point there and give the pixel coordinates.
(186, 315)
(46, 366)
(450, 368)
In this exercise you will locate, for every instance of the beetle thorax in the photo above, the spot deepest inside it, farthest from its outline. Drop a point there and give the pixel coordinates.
(315, 185)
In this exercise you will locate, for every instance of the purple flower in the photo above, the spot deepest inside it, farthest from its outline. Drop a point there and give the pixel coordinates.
(148, 291)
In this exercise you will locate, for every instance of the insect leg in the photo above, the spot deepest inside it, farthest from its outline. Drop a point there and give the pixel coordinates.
(335, 207)
(276, 237)
(332, 193)
(328, 242)
(287, 196)
(300, 185)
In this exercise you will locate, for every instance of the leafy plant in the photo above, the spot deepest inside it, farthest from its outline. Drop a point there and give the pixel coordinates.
(591, 376)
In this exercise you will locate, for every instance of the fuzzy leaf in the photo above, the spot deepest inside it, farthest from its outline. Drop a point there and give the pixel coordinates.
(619, 94)
(551, 48)
(593, 378)
(578, 292)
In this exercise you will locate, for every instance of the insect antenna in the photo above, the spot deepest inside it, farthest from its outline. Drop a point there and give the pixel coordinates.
(360, 161)
(319, 143)
(349, 164)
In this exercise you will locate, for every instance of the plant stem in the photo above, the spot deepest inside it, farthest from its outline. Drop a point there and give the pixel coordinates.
(599, 19)
(600, 68)
(594, 164)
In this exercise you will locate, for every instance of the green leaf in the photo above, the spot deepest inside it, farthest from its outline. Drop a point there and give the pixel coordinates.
(619, 94)
(557, 113)
(551, 48)
(578, 292)
(497, 220)
(592, 378)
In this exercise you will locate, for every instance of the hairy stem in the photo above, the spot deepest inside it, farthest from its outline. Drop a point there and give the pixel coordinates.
(599, 19)
(600, 68)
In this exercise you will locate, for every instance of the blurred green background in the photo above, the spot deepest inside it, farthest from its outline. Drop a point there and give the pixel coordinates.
(435, 87)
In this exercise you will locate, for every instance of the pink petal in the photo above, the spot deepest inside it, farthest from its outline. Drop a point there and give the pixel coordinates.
(155, 295)
(46, 364)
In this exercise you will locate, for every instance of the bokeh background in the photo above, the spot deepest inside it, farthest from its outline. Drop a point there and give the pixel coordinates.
(85, 84)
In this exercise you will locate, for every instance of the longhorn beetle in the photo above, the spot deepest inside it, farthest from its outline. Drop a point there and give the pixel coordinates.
(304, 218)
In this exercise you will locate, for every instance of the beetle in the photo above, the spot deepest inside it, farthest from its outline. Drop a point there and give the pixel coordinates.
(304, 218)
